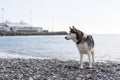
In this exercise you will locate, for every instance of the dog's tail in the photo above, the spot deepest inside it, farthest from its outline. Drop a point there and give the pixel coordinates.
(91, 43)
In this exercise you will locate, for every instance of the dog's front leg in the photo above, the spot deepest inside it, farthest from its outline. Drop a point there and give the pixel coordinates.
(90, 59)
(81, 60)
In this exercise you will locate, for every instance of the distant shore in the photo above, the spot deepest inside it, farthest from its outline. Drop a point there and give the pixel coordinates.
(52, 69)
(31, 33)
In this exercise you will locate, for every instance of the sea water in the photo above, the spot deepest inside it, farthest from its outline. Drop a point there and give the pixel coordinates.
(107, 47)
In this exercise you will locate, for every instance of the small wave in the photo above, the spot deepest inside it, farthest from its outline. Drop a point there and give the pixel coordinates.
(16, 55)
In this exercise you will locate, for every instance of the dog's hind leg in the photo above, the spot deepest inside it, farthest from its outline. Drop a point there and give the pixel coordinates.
(81, 60)
(92, 53)
(90, 59)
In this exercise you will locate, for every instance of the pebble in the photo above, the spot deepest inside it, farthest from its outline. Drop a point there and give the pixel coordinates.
(53, 69)
(30, 78)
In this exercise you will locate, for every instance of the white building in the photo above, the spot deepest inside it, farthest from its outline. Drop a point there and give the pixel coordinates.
(19, 27)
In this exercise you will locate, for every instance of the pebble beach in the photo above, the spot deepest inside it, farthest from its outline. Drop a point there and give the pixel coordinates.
(53, 69)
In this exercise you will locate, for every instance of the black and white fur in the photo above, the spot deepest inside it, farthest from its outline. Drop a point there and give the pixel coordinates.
(85, 44)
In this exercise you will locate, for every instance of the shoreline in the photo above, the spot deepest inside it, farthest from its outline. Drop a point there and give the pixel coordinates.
(54, 69)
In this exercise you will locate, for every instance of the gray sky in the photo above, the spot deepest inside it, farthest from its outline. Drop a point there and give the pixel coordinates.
(90, 16)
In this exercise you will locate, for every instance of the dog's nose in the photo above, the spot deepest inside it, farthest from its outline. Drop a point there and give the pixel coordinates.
(65, 37)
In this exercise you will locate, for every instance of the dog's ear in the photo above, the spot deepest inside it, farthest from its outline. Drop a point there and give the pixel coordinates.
(70, 28)
(74, 29)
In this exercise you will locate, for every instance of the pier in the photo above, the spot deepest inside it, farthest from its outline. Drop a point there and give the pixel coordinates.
(31, 33)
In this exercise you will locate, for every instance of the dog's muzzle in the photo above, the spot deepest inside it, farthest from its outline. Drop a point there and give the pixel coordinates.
(66, 38)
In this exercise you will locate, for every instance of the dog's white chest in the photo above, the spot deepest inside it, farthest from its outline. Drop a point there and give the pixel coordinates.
(83, 48)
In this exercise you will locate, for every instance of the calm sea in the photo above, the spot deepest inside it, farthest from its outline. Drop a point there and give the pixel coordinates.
(107, 47)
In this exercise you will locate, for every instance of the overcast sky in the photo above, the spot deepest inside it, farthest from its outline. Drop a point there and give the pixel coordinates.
(90, 16)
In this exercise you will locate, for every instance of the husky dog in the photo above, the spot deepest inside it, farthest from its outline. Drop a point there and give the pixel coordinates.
(85, 44)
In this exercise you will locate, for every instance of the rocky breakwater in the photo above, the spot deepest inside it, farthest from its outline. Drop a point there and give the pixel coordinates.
(52, 69)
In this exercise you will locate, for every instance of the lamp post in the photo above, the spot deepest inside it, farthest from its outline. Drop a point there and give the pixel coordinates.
(31, 18)
(2, 14)
(2, 18)
(52, 23)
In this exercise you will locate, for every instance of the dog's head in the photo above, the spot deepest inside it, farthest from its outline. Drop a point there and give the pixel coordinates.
(74, 34)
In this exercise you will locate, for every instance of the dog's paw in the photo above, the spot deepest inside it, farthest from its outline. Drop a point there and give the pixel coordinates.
(81, 67)
(90, 67)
